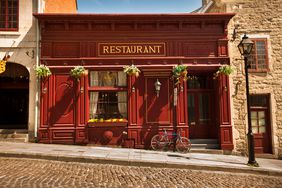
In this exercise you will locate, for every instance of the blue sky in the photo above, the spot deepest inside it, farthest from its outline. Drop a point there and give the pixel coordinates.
(137, 6)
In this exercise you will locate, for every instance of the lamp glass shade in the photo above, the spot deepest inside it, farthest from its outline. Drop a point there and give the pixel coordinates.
(158, 85)
(246, 45)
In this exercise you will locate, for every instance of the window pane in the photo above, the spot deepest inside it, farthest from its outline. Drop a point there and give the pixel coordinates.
(107, 105)
(254, 122)
(8, 14)
(259, 100)
(253, 115)
(262, 122)
(255, 129)
(204, 105)
(261, 129)
(108, 78)
(261, 114)
(199, 82)
(191, 108)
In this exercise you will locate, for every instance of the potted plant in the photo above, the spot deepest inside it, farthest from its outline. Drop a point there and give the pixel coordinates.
(179, 73)
(42, 72)
(77, 72)
(224, 69)
(131, 70)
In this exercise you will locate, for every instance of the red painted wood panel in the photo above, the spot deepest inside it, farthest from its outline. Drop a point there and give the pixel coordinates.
(157, 108)
(66, 49)
(62, 112)
(108, 135)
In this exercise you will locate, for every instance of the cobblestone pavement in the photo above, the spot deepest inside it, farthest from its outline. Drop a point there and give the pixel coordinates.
(16, 172)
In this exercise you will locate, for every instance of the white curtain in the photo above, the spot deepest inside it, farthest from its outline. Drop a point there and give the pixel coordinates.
(93, 78)
(122, 103)
(93, 95)
(122, 96)
(121, 78)
(93, 103)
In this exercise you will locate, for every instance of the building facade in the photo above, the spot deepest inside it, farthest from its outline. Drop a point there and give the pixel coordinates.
(17, 78)
(19, 38)
(105, 106)
(261, 21)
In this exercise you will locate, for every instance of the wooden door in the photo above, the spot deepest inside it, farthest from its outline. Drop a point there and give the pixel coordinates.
(260, 121)
(62, 111)
(201, 108)
(261, 130)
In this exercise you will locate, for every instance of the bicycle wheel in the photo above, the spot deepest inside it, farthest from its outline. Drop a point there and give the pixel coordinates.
(183, 145)
(156, 142)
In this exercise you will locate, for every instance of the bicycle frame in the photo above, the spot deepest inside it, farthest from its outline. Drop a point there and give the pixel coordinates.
(169, 138)
(165, 139)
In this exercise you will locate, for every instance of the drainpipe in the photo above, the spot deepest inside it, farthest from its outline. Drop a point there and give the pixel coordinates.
(37, 102)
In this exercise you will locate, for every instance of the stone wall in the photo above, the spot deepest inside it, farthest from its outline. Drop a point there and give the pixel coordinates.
(256, 18)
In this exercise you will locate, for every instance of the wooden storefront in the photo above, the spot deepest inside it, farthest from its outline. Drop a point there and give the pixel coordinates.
(126, 109)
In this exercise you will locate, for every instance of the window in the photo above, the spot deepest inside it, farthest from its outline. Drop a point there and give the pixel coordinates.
(9, 15)
(259, 57)
(259, 111)
(108, 95)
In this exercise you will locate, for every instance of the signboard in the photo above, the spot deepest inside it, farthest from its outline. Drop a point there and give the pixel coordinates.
(131, 49)
(2, 66)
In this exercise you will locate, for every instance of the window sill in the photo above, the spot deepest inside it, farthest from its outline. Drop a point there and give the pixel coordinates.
(10, 33)
(107, 124)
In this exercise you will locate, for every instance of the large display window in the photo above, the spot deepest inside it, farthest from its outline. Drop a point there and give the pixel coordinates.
(107, 96)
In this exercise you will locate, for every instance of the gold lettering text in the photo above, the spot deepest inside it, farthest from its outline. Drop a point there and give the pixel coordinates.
(105, 49)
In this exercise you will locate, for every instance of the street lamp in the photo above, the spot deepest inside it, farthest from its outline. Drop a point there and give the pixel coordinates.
(245, 48)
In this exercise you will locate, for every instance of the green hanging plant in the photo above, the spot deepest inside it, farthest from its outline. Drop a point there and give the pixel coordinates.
(77, 72)
(131, 70)
(224, 69)
(179, 73)
(42, 71)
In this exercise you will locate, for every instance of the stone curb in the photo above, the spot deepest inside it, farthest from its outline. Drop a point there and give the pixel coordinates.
(137, 163)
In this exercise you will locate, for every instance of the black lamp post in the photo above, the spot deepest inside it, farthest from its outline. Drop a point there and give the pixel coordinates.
(245, 48)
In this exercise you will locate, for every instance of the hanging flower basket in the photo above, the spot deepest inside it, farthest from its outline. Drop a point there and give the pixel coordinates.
(224, 69)
(131, 70)
(42, 72)
(180, 73)
(77, 72)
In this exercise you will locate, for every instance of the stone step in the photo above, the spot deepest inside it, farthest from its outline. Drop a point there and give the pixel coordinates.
(204, 141)
(13, 135)
(205, 146)
(11, 131)
(208, 151)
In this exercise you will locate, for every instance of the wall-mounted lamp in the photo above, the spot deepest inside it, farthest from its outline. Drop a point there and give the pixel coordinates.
(30, 54)
(158, 87)
(82, 89)
(44, 90)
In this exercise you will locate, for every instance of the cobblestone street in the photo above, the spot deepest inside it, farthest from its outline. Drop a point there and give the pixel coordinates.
(15, 172)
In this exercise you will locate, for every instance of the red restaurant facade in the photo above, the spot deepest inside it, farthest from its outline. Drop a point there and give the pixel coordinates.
(106, 106)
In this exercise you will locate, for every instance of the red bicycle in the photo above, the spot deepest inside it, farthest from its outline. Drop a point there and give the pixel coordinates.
(165, 140)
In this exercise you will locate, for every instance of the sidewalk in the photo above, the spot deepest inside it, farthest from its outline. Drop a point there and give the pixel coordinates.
(137, 157)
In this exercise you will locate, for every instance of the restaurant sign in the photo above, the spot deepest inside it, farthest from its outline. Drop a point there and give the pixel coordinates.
(131, 49)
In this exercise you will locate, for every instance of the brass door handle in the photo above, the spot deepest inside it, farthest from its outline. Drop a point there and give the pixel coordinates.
(193, 123)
